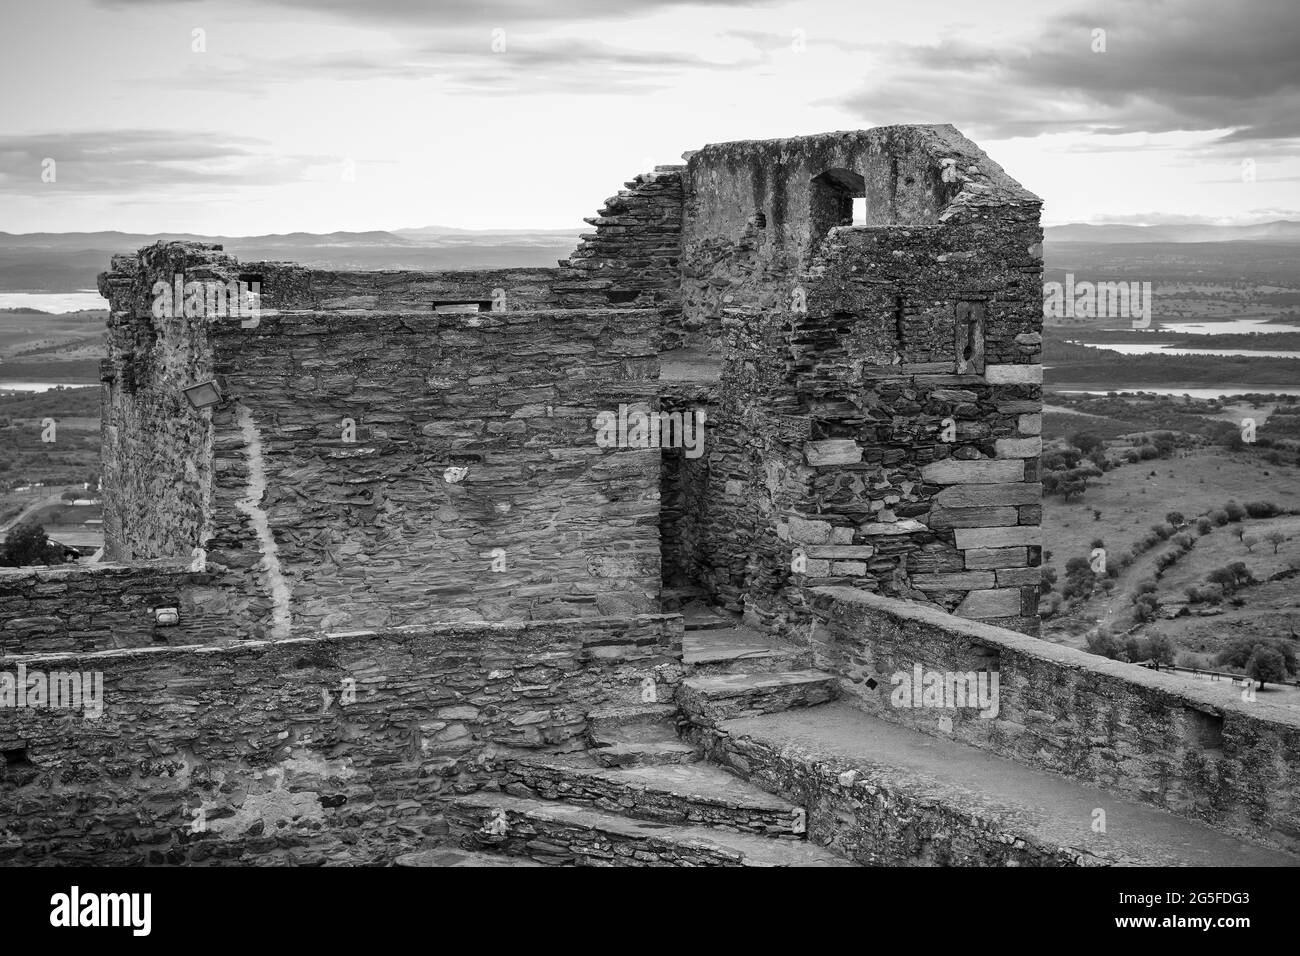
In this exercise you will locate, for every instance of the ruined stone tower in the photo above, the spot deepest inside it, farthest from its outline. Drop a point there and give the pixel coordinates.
(871, 394)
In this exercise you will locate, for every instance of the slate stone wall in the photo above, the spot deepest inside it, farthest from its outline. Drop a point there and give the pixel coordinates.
(338, 749)
(877, 419)
(324, 481)
(75, 608)
(632, 258)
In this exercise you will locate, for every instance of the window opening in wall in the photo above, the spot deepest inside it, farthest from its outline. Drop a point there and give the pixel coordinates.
(462, 305)
(859, 210)
(831, 199)
(1207, 728)
(622, 295)
(16, 757)
(969, 321)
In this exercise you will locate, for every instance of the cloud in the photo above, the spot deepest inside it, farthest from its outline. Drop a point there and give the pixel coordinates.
(441, 13)
(1194, 65)
(527, 66)
(115, 161)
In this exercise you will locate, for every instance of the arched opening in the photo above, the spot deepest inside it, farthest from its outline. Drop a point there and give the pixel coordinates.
(831, 199)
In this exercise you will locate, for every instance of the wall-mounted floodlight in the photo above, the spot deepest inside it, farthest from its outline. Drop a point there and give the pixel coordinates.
(204, 395)
(166, 616)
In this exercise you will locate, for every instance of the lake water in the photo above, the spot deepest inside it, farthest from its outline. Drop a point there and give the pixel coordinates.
(1194, 392)
(1171, 350)
(1235, 325)
(58, 302)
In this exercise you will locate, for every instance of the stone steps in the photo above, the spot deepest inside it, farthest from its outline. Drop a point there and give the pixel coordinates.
(709, 699)
(451, 856)
(695, 794)
(886, 795)
(556, 833)
(740, 650)
(646, 753)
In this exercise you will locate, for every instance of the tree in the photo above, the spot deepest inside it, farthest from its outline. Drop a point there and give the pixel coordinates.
(1275, 538)
(1160, 649)
(1086, 442)
(1250, 540)
(1266, 664)
(28, 544)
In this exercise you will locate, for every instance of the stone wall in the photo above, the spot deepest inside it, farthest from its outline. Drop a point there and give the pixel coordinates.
(631, 260)
(287, 286)
(156, 451)
(1194, 749)
(334, 749)
(376, 468)
(75, 608)
(877, 419)
(474, 488)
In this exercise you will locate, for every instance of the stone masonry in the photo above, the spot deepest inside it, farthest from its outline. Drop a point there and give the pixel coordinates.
(431, 610)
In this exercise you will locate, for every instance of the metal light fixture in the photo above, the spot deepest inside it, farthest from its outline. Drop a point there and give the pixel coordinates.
(204, 394)
(166, 616)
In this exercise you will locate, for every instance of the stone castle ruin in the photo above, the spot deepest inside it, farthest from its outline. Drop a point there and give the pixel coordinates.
(616, 562)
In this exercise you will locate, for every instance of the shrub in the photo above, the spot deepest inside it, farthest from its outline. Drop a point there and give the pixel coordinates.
(1261, 509)
(1203, 525)
(1219, 517)
(1102, 642)
(1235, 511)
(28, 544)
(1162, 531)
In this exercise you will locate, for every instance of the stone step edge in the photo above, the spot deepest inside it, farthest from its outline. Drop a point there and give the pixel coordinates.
(706, 841)
(758, 683)
(612, 776)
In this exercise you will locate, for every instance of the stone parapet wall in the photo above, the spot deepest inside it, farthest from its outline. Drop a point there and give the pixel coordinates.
(291, 287)
(1196, 750)
(336, 749)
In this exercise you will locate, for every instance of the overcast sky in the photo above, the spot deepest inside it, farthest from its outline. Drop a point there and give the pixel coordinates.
(317, 115)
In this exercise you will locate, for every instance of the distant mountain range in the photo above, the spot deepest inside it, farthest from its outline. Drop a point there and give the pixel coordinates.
(1281, 230)
(65, 261)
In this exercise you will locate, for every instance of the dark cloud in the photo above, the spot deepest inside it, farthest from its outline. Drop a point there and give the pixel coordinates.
(114, 161)
(455, 13)
(1187, 65)
(467, 64)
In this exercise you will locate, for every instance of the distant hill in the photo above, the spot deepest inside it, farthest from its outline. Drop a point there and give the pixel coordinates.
(65, 261)
(1281, 230)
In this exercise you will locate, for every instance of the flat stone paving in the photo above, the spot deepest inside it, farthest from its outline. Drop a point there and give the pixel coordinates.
(1053, 810)
(725, 645)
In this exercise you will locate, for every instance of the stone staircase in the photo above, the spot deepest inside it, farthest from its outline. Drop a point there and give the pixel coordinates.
(641, 795)
(757, 763)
